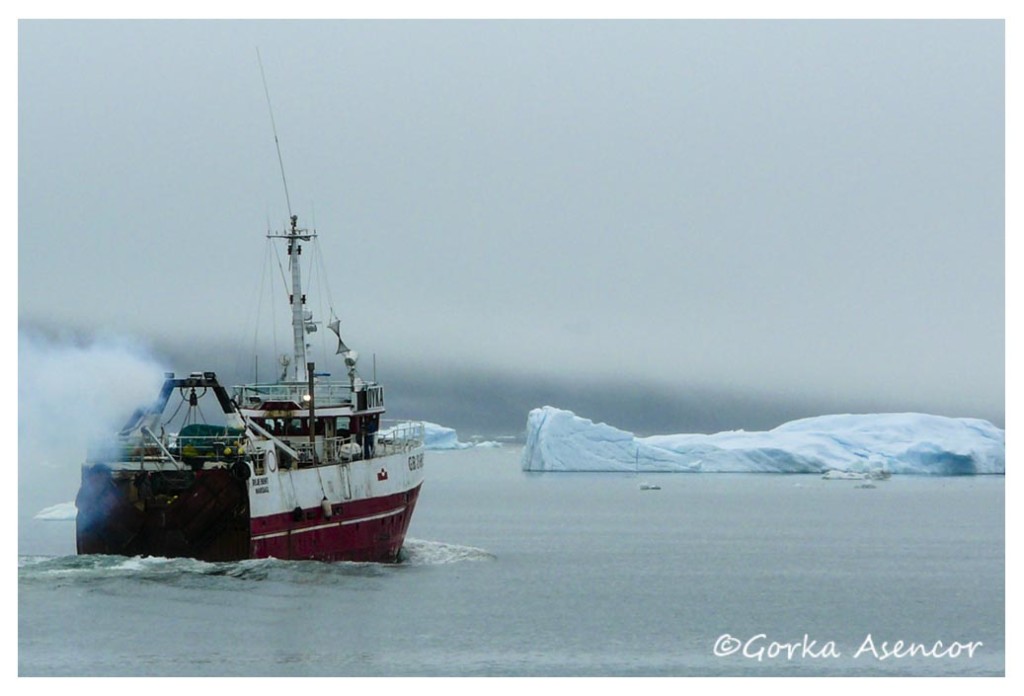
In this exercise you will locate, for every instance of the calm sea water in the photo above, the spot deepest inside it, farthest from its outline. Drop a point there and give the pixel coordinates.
(516, 574)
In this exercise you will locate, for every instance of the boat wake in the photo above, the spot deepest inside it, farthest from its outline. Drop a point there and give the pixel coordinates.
(185, 572)
(418, 552)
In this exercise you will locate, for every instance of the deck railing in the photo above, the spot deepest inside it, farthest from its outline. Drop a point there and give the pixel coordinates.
(324, 393)
(169, 450)
(400, 436)
(174, 450)
(397, 437)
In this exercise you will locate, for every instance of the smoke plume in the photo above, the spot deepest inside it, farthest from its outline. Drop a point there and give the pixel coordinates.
(72, 392)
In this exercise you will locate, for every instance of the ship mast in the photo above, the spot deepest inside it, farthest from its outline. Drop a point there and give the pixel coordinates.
(297, 299)
(294, 235)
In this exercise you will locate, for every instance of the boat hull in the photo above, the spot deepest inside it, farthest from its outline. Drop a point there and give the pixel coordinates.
(370, 530)
(207, 515)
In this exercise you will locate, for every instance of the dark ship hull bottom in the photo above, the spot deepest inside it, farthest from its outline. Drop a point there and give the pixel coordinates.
(206, 515)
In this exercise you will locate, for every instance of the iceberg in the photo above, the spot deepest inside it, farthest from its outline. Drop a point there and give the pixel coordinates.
(439, 437)
(874, 445)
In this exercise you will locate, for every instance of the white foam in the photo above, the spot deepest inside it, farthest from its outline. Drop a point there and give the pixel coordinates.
(422, 552)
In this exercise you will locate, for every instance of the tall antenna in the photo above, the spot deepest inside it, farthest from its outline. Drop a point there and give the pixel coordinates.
(273, 126)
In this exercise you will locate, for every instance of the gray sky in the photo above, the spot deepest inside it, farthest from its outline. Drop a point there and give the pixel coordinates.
(787, 210)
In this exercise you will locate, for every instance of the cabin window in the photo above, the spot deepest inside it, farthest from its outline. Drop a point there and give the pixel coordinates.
(342, 426)
(272, 425)
(297, 427)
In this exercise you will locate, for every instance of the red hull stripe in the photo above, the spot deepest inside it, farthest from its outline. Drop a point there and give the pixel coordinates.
(357, 520)
(371, 529)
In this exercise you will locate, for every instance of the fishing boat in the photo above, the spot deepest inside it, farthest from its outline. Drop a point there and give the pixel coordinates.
(299, 468)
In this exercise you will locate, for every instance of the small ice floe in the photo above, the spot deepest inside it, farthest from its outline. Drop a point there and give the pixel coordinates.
(865, 485)
(649, 486)
(873, 475)
(60, 512)
(837, 475)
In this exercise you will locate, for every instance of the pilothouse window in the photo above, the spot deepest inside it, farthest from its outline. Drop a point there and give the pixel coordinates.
(291, 427)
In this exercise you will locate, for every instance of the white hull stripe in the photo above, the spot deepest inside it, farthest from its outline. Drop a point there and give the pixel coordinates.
(357, 520)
